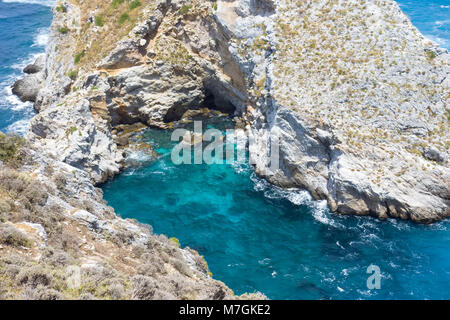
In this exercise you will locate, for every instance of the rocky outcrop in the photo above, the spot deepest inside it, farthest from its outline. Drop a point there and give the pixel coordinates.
(357, 96)
(60, 240)
(71, 134)
(28, 88)
(37, 66)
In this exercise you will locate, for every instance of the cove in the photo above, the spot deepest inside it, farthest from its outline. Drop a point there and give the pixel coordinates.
(257, 237)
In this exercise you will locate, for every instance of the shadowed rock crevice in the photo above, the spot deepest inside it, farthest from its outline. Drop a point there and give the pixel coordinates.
(211, 101)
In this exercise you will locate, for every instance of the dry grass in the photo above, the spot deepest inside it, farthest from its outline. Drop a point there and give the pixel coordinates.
(113, 20)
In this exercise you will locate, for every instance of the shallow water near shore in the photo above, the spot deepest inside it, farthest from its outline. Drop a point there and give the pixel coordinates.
(257, 237)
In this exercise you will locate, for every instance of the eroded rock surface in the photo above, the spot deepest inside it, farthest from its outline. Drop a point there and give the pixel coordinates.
(27, 89)
(358, 97)
(60, 240)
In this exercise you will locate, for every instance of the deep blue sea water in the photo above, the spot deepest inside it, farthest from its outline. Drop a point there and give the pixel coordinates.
(23, 30)
(255, 237)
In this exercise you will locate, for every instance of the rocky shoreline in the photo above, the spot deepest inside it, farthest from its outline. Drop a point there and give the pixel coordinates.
(358, 97)
(366, 128)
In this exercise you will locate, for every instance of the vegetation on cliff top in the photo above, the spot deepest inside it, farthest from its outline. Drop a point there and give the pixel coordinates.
(10, 149)
(102, 24)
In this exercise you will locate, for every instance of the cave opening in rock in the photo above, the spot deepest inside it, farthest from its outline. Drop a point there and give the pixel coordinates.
(212, 101)
(217, 102)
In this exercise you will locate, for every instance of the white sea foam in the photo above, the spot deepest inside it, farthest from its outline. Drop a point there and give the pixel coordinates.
(442, 22)
(19, 127)
(28, 60)
(298, 197)
(47, 3)
(138, 156)
(322, 214)
(440, 41)
(264, 262)
(8, 99)
(41, 39)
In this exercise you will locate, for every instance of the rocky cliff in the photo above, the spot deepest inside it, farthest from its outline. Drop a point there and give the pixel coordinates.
(357, 96)
(60, 240)
(58, 237)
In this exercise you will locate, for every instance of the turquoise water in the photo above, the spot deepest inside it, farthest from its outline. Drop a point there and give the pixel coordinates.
(255, 237)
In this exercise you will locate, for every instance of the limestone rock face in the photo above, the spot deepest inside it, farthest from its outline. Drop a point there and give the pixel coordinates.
(37, 66)
(62, 238)
(360, 105)
(60, 69)
(28, 88)
(71, 148)
(70, 134)
(356, 95)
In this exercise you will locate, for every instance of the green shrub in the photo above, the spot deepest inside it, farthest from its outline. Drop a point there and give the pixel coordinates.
(10, 149)
(124, 17)
(60, 8)
(176, 241)
(41, 293)
(430, 54)
(5, 207)
(60, 182)
(35, 194)
(71, 130)
(181, 267)
(116, 2)
(134, 4)
(34, 277)
(79, 56)
(13, 182)
(63, 30)
(143, 287)
(185, 9)
(98, 21)
(72, 74)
